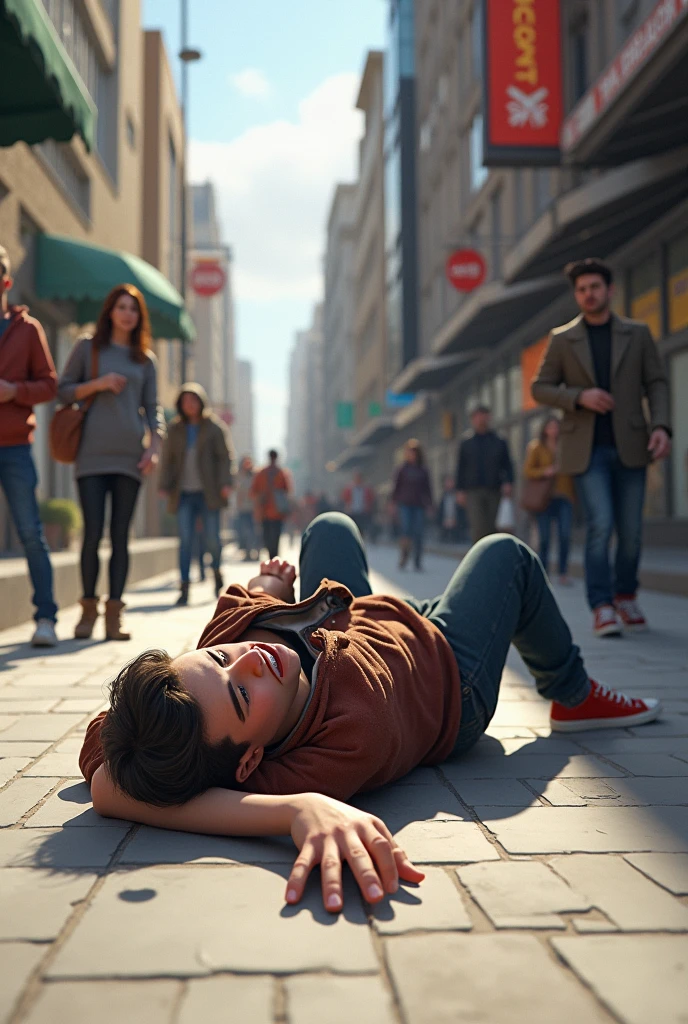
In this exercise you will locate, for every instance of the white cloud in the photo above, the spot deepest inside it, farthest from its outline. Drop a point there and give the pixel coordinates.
(275, 183)
(251, 82)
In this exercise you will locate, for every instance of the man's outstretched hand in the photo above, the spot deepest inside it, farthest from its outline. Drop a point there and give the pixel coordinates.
(329, 833)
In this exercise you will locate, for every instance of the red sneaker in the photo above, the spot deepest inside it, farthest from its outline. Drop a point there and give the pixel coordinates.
(603, 709)
(606, 621)
(630, 614)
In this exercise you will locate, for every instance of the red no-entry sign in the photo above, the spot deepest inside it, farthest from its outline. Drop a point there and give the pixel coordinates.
(207, 278)
(466, 269)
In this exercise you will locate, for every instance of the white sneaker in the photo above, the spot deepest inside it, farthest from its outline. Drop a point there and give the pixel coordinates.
(44, 635)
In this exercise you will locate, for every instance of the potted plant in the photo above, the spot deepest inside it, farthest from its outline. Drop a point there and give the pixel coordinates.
(61, 518)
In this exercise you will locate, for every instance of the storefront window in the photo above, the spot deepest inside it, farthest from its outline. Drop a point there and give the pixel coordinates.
(499, 396)
(646, 302)
(677, 297)
(516, 447)
(679, 452)
(486, 395)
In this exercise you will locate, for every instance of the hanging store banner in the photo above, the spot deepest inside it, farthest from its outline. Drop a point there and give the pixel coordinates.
(523, 83)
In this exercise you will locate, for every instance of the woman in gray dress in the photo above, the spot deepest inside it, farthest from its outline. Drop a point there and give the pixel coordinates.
(112, 459)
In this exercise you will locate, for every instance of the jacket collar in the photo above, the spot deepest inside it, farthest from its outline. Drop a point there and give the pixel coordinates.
(578, 336)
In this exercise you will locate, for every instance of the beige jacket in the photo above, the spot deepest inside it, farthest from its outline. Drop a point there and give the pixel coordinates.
(637, 372)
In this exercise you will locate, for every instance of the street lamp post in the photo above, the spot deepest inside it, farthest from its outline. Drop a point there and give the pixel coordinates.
(186, 55)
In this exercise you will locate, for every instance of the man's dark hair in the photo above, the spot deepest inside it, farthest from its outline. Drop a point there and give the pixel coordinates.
(272, 454)
(153, 740)
(592, 265)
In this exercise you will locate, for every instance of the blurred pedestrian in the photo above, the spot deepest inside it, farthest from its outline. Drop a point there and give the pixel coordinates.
(246, 527)
(196, 477)
(447, 518)
(598, 368)
(542, 463)
(271, 491)
(412, 496)
(484, 474)
(358, 500)
(27, 378)
(112, 459)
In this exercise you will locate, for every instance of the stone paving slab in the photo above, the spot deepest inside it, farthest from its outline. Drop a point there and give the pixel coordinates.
(668, 869)
(60, 849)
(16, 800)
(434, 906)
(106, 1002)
(163, 922)
(35, 904)
(159, 846)
(18, 961)
(642, 979)
(522, 894)
(319, 999)
(220, 999)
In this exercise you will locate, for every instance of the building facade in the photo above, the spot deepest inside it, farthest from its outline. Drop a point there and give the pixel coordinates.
(338, 326)
(214, 358)
(243, 427)
(305, 455)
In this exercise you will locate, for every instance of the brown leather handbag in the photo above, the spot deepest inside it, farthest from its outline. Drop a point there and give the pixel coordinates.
(68, 423)
(537, 494)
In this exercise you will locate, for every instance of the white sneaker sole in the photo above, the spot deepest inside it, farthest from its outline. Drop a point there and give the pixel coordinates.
(607, 723)
(612, 629)
(44, 643)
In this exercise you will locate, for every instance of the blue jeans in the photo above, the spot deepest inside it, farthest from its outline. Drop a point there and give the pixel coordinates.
(246, 532)
(18, 478)
(559, 510)
(498, 595)
(412, 523)
(191, 506)
(612, 496)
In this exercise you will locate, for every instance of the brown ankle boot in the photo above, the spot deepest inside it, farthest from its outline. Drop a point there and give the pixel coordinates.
(113, 621)
(89, 614)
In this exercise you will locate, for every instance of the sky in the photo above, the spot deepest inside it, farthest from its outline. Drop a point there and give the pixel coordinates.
(272, 123)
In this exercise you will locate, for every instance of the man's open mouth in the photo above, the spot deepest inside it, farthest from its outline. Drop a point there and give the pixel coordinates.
(272, 659)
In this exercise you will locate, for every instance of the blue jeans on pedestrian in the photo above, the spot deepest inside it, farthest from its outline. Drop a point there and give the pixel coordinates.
(19, 479)
(191, 506)
(560, 511)
(499, 595)
(412, 522)
(612, 496)
(246, 532)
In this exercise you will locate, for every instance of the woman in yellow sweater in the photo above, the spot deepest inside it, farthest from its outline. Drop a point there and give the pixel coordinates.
(541, 461)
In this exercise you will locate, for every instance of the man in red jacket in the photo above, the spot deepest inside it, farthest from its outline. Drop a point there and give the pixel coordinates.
(27, 378)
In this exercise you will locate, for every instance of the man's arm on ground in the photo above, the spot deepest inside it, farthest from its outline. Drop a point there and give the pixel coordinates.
(549, 386)
(326, 832)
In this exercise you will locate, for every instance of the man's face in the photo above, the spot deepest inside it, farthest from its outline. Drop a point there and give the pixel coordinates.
(480, 421)
(592, 293)
(245, 691)
(191, 405)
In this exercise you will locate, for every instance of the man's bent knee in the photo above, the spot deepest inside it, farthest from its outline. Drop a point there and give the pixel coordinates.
(503, 545)
(333, 526)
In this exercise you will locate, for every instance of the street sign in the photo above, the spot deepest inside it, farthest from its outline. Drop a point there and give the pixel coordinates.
(466, 269)
(207, 278)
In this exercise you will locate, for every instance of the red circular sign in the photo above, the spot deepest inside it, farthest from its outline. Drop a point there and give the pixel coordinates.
(207, 278)
(466, 269)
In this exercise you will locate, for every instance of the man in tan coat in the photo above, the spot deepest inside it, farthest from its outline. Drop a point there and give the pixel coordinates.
(598, 368)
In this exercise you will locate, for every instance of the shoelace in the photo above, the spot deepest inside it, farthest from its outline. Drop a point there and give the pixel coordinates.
(613, 695)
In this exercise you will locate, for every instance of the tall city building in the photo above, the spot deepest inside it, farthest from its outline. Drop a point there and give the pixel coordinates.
(243, 426)
(305, 455)
(338, 325)
(214, 359)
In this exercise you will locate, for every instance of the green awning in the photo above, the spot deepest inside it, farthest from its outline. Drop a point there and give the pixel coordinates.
(71, 271)
(42, 95)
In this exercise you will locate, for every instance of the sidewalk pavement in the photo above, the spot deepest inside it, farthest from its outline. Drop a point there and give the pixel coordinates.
(557, 867)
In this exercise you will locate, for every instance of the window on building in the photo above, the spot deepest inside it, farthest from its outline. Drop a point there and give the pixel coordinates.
(677, 285)
(541, 189)
(68, 171)
(579, 59)
(478, 173)
(515, 389)
(499, 390)
(477, 40)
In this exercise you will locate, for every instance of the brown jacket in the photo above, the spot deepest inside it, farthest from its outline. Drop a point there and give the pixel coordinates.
(214, 452)
(25, 360)
(386, 694)
(567, 369)
(539, 457)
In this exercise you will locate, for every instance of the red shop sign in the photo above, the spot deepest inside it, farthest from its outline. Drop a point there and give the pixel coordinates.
(523, 81)
(466, 269)
(207, 278)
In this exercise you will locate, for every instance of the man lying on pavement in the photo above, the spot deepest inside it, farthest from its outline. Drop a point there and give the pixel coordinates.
(286, 709)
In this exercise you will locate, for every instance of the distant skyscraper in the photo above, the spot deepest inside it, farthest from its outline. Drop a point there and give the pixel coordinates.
(243, 426)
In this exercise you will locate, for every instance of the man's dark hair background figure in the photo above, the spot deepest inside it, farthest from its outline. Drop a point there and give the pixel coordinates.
(27, 378)
(598, 368)
(484, 473)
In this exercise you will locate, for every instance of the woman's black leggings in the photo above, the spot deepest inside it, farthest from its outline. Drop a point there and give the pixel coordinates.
(93, 491)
